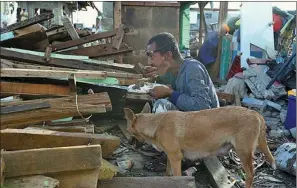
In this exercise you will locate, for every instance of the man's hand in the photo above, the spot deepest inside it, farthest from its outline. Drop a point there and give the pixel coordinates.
(150, 72)
(160, 92)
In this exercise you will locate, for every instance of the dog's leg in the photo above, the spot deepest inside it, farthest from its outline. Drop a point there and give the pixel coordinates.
(168, 168)
(175, 162)
(246, 159)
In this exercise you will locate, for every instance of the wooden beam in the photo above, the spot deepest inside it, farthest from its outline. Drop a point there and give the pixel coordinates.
(50, 160)
(77, 129)
(117, 14)
(98, 50)
(110, 73)
(60, 108)
(68, 63)
(58, 74)
(214, 9)
(28, 22)
(215, 67)
(16, 88)
(24, 108)
(35, 73)
(31, 182)
(84, 40)
(20, 139)
(148, 182)
(69, 27)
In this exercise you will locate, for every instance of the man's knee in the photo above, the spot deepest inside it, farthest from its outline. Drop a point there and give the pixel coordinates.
(163, 105)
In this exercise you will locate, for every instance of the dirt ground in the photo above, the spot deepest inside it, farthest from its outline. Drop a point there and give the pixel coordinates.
(264, 176)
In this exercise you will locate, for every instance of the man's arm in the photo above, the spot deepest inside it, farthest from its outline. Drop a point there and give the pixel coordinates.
(199, 98)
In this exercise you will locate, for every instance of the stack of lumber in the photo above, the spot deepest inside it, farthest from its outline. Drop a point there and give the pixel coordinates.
(47, 137)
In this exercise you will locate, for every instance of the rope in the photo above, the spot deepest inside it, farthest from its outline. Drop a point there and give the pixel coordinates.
(86, 119)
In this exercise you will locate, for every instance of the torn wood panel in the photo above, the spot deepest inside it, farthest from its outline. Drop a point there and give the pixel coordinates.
(60, 108)
(20, 139)
(15, 88)
(23, 108)
(31, 182)
(75, 64)
(77, 179)
(84, 40)
(98, 50)
(40, 161)
(28, 22)
(2, 168)
(148, 182)
(34, 73)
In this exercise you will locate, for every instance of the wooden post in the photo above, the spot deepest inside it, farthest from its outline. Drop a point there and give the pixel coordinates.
(215, 67)
(117, 21)
(202, 25)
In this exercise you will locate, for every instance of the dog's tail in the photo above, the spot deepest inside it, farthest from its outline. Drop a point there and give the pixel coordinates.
(262, 143)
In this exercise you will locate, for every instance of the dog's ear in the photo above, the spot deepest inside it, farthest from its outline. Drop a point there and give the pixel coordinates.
(146, 108)
(129, 114)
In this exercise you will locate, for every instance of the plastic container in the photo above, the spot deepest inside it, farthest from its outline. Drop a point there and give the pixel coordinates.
(291, 114)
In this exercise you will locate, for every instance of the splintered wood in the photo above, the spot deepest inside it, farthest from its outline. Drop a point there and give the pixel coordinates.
(59, 108)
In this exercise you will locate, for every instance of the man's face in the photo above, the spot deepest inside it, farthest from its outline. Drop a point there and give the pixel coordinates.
(156, 59)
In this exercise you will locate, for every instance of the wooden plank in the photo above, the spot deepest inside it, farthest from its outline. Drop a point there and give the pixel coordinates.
(148, 182)
(60, 108)
(110, 73)
(34, 73)
(31, 182)
(77, 179)
(75, 122)
(28, 22)
(139, 96)
(60, 74)
(52, 55)
(75, 64)
(80, 129)
(217, 172)
(20, 139)
(25, 107)
(16, 88)
(40, 161)
(69, 27)
(2, 168)
(98, 50)
(84, 40)
(153, 4)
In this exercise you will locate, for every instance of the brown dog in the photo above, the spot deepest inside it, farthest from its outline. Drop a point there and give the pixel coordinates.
(196, 135)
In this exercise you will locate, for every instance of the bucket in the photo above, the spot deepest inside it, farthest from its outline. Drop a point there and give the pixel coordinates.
(291, 114)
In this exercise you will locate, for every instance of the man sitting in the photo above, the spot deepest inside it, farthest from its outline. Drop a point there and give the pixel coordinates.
(190, 87)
